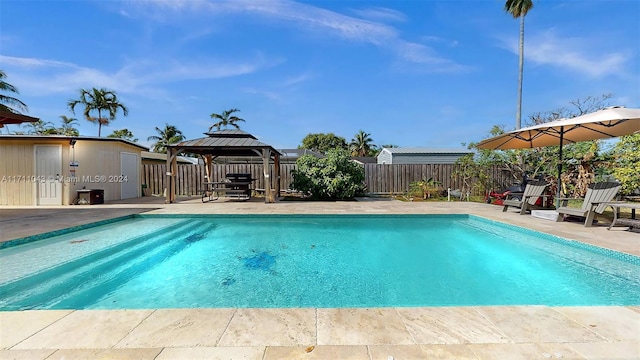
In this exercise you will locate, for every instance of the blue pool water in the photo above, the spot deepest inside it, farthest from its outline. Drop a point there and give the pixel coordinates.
(311, 261)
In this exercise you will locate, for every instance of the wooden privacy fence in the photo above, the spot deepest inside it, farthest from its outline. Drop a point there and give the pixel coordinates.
(191, 178)
(396, 178)
(379, 178)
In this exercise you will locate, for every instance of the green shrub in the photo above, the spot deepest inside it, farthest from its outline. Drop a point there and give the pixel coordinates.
(334, 177)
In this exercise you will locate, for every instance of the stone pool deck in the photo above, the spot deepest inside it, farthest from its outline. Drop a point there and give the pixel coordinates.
(491, 332)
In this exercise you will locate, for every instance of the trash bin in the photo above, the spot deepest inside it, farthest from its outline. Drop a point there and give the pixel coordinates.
(90, 196)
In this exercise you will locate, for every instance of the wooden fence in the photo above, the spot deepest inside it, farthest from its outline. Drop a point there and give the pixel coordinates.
(379, 178)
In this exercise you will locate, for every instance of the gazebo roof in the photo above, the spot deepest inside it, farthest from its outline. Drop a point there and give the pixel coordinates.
(225, 143)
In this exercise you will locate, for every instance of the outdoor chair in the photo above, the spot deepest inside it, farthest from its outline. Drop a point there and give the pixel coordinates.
(597, 194)
(527, 200)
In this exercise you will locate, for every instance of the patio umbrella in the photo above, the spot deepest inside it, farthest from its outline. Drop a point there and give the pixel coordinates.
(606, 123)
(7, 117)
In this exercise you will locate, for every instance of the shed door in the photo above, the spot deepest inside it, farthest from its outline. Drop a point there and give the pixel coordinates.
(48, 174)
(130, 182)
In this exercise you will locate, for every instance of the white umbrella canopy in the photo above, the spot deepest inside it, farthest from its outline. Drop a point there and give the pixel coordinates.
(601, 124)
(606, 123)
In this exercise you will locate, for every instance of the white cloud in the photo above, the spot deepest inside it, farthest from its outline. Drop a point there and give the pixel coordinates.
(381, 14)
(297, 79)
(313, 18)
(577, 54)
(42, 76)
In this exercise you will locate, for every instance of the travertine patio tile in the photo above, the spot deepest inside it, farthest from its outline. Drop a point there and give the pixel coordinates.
(179, 328)
(16, 326)
(375, 326)
(524, 351)
(25, 354)
(534, 324)
(431, 352)
(101, 354)
(450, 325)
(86, 329)
(271, 327)
(316, 353)
(615, 323)
(634, 308)
(212, 353)
(609, 351)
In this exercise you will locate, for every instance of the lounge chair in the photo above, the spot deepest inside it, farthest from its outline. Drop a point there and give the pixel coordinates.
(527, 200)
(597, 194)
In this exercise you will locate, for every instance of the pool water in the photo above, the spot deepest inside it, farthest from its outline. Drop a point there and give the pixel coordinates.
(311, 261)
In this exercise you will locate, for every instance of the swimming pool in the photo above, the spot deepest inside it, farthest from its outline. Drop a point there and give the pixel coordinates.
(175, 261)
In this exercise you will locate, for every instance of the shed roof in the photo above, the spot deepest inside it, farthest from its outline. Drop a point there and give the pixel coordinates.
(423, 151)
(68, 138)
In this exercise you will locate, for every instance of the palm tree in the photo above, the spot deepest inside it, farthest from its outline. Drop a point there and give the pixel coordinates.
(7, 101)
(125, 134)
(361, 144)
(167, 136)
(519, 9)
(100, 100)
(41, 127)
(226, 119)
(68, 127)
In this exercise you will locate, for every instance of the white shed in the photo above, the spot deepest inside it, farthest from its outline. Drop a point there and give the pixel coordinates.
(415, 155)
(49, 170)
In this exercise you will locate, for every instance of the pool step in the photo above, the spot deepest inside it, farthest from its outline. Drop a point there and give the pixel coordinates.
(52, 286)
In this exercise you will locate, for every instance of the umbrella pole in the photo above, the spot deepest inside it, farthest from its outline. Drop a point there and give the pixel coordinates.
(559, 185)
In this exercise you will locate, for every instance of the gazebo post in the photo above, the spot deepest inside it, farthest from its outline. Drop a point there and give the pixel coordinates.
(266, 155)
(174, 174)
(169, 175)
(276, 173)
(208, 160)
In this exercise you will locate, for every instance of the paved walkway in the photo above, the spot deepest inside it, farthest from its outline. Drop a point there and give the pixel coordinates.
(492, 332)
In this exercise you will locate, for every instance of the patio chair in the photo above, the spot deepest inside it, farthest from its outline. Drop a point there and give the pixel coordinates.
(597, 194)
(527, 200)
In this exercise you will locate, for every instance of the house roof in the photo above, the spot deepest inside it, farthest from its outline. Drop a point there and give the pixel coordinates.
(163, 157)
(296, 153)
(225, 143)
(423, 151)
(365, 159)
(68, 138)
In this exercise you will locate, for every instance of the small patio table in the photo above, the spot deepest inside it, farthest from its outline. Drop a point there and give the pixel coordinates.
(241, 189)
(616, 206)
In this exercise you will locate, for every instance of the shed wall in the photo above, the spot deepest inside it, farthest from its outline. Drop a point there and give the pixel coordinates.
(99, 168)
(385, 157)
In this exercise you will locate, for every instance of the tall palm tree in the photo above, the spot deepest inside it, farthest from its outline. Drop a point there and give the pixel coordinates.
(167, 136)
(68, 127)
(226, 119)
(6, 102)
(100, 100)
(519, 9)
(361, 144)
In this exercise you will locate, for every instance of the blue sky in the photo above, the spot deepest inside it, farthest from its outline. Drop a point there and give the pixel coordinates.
(411, 73)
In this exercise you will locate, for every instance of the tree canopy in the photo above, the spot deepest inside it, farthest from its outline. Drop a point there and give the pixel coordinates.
(167, 136)
(102, 101)
(10, 103)
(125, 134)
(322, 143)
(361, 144)
(226, 119)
